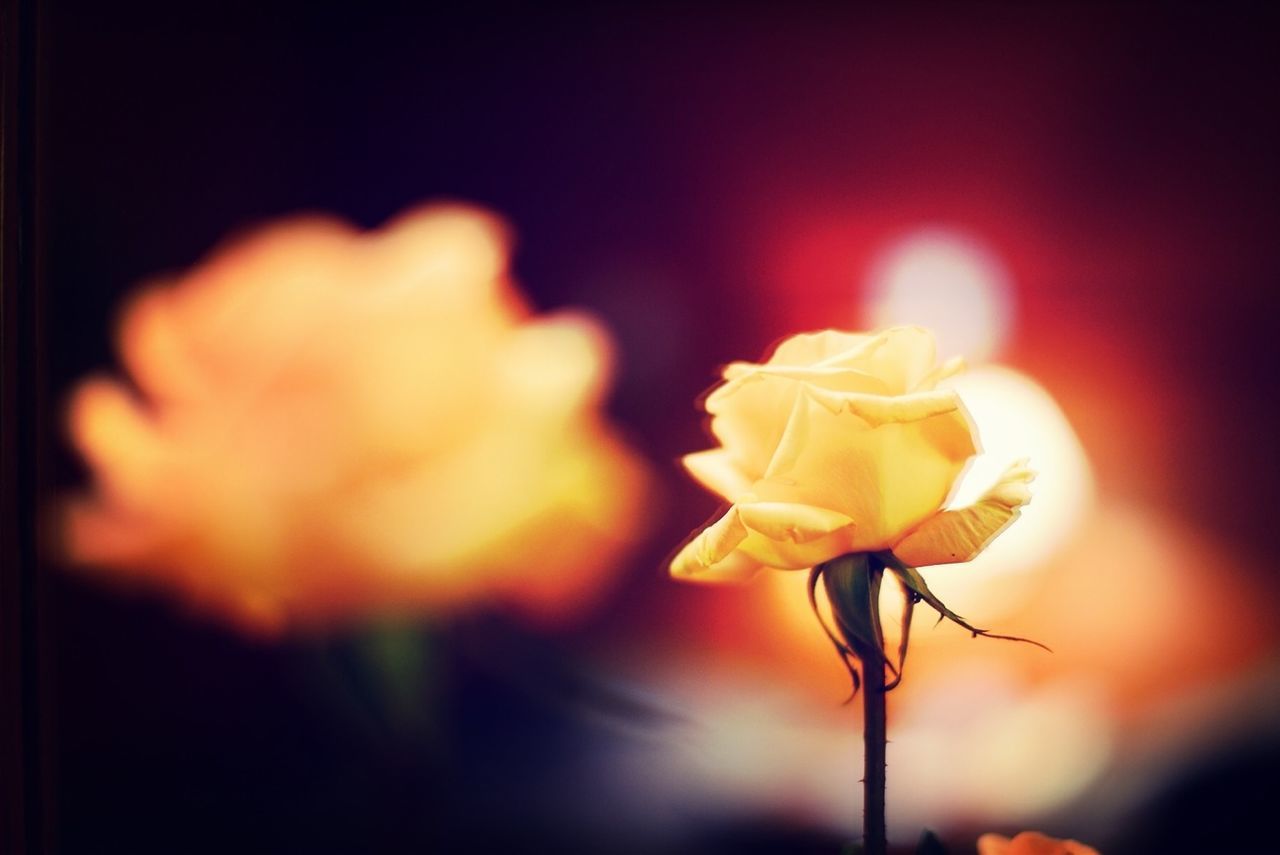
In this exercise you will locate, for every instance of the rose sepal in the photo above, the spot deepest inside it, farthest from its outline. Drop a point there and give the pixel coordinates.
(914, 585)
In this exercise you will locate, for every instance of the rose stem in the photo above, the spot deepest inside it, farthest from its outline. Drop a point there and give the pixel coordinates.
(874, 727)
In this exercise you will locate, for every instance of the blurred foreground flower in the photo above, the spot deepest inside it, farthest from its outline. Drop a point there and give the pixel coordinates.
(1031, 843)
(321, 424)
(841, 443)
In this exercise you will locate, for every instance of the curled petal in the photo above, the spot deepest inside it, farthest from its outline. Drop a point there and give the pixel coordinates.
(954, 536)
(716, 470)
(734, 568)
(752, 535)
(794, 535)
(712, 556)
(712, 545)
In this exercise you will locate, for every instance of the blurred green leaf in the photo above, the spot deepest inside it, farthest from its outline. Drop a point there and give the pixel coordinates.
(929, 844)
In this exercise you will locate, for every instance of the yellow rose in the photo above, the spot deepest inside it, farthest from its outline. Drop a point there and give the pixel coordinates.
(321, 423)
(1031, 843)
(839, 443)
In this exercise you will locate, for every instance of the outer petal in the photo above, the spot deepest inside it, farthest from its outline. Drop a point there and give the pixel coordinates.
(155, 351)
(716, 470)
(737, 566)
(755, 534)
(790, 523)
(749, 414)
(712, 545)
(116, 435)
(712, 555)
(959, 535)
(793, 536)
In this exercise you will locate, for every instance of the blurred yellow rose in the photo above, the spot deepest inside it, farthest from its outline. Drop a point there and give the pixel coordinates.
(320, 423)
(841, 443)
(1031, 843)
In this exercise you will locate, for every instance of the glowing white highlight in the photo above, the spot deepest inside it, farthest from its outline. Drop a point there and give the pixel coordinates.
(949, 283)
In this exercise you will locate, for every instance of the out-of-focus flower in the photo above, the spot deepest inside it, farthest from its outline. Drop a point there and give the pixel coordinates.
(320, 423)
(841, 443)
(1031, 843)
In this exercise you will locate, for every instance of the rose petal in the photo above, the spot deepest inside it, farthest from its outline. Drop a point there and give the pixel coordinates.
(115, 434)
(825, 376)
(98, 534)
(794, 440)
(901, 356)
(950, 368)
(752, 535)
(737, 566)
(154, 352)
(885, 409)
(793, 523)
(709, 555)
(716, 470)
(749, 415)
(886, 478)
(959, 535)
(800, 554)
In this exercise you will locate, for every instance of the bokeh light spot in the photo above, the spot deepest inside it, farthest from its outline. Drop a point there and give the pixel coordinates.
(948, 282)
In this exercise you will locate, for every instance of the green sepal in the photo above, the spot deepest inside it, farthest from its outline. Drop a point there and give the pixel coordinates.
(910, 598)
(845, 652)
(852, 583)
(914, 583)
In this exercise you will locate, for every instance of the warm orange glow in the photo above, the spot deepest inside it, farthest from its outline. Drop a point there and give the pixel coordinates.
(981, 745)
(984, 744)
(320, 423)
(1143, 612)
(947, 282)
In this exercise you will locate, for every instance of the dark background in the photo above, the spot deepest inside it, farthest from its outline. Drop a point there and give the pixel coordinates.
(661, 165)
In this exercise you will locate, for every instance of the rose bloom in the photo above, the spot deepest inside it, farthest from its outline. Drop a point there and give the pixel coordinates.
(1031, 843)
(840, 443)
(320, 423)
